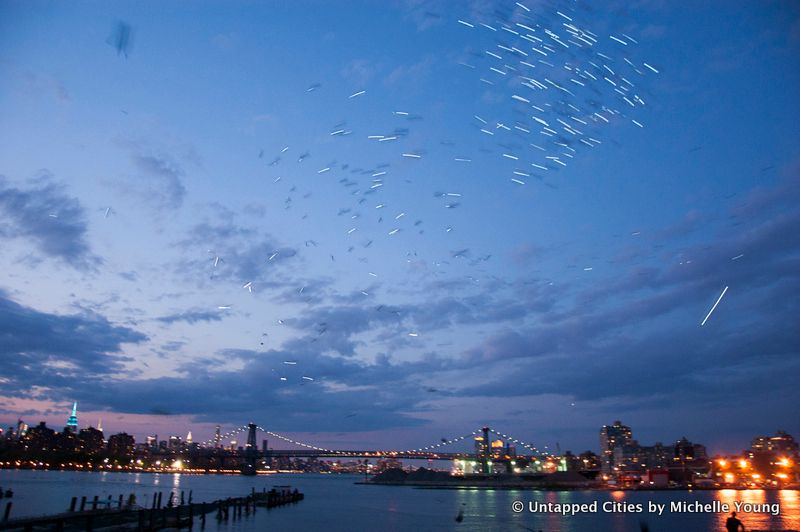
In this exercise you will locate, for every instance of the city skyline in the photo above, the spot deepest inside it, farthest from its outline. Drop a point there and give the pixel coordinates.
(612, 436)
(339, 223)
(770, 461)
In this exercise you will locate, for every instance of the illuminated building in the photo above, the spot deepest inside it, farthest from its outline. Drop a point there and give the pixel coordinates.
(41, 438)
(91, 440)
(121, 444)
(781, 443)
(72, 422)
(612, 437)
(217, 438)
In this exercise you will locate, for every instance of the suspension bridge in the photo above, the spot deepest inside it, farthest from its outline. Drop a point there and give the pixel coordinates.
(440, 450)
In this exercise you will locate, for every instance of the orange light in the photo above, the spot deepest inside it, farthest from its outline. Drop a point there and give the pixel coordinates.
(722, 462)
(743, 464)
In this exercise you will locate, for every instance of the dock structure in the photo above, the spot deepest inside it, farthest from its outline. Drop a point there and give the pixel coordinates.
(100, 515)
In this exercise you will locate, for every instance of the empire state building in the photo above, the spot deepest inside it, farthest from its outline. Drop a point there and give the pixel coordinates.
(72, 422)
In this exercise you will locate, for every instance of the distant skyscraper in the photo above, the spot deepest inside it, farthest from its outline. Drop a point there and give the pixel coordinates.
(72, 422)
(612, 437)
(217, 439)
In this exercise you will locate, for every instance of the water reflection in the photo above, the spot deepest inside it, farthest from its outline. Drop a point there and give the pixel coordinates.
(335, 504)
(761, 509)
(618, 495)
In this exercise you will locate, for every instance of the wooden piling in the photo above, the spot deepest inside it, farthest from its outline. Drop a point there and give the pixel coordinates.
(132, 518)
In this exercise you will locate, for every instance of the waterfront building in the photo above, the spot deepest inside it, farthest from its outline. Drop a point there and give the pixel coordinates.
(590, 461)
(91, 440)
(22, 428)
(689, 461)
(41, 438)
(67, 441)
(121, 444)
(638, 459)
(782, 443)
(611, 437)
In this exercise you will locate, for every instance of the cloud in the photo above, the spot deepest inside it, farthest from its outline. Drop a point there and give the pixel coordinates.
(631, 340)
(41, 84)
(160, 179)
(191, 317)
(51, 219)
(425, 14)
(158, 172)
(380, 393)
(639, 336)
(173, 346)
(412, 73)
(359, 71)
(52, 353)
(526, 252)
(235, 253)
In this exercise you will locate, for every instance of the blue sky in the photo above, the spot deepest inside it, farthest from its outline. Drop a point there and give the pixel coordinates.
(423, 289)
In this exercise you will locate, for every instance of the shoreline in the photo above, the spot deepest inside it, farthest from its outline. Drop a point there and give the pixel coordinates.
(535, 487)
(439, 484)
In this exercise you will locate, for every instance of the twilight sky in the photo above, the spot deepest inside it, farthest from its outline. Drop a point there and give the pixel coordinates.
(445, 214)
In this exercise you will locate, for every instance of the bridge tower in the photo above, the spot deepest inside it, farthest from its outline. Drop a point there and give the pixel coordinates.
(250, 451)
(487, 449)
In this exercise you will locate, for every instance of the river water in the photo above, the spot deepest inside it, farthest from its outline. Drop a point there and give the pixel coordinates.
(335, 503)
